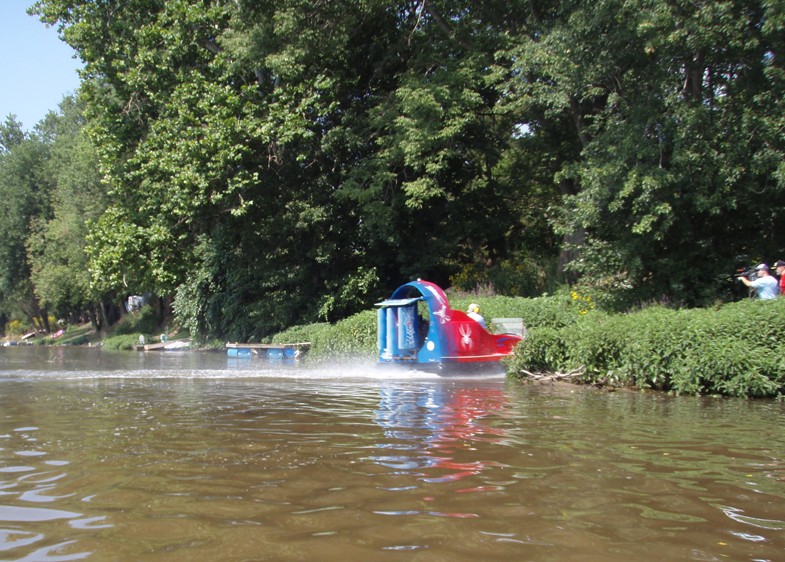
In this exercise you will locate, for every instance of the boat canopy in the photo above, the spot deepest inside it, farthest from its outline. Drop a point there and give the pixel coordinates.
(398, 302)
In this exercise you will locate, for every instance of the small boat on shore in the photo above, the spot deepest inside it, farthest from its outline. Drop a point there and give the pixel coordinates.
(417, 327)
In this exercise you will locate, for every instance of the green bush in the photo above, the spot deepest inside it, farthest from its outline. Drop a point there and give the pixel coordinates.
(77, 340)
(554, 311)
(354, 336)
(143, 321)
(736, 350)
(543, 350)
(123, 342)
(317, 334)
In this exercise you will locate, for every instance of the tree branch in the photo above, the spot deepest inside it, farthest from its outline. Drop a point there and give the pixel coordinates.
(442, 24)
(555, 376)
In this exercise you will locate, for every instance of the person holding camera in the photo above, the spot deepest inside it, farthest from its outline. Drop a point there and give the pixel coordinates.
(764, 284)
(779, 267)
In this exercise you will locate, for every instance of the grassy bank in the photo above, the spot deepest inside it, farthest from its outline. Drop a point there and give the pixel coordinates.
(737, 349)
(124, 335)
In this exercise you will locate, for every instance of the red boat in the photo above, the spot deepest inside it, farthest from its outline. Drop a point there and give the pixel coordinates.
(417, 327)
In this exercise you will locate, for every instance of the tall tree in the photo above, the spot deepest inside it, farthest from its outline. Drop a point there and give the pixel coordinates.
(24, 198)
(275, 161)
(11, 134)
(675, 107)
(57, 249)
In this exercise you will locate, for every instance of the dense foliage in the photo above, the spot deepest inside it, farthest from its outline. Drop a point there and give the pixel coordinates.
(736, 349)
(50, 191)
(267, 164)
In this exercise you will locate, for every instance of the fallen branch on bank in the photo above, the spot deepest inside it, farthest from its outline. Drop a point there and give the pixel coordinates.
(555, 376)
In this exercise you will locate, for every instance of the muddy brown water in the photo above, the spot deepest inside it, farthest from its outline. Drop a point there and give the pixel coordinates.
(176, 456)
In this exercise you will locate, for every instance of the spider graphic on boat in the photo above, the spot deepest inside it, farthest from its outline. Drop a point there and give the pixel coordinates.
(441, 314)
(466, 337)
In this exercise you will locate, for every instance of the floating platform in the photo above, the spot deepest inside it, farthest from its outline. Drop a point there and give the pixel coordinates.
(268, 350)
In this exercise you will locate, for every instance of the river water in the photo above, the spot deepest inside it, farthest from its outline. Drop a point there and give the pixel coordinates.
(180, 456)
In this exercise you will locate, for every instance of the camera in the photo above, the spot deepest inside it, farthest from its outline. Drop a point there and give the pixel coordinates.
(750, 273)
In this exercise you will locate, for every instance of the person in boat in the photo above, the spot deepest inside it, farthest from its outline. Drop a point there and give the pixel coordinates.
(765, 284)
(474, 313)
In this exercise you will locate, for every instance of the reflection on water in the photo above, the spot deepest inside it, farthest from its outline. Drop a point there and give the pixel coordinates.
(428, 426)
(190, 456)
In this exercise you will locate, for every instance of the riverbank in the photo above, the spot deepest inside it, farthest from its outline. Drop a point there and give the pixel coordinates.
(735, 349)
(124, 335)
(72, 335)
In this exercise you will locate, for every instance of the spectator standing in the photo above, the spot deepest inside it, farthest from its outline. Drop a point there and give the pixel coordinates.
(765, 284)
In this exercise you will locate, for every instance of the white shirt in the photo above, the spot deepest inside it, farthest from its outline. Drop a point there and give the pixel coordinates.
(478, 318)
(767, 287)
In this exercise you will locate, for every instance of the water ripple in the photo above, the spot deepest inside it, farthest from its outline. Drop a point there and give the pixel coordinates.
(28, 514)
(194, 462)
(11, 539)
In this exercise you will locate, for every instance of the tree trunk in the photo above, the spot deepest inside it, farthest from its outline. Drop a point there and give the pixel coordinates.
(572, 242)
(104, 319)
(570, 251)
(44, 316)
(93, 318)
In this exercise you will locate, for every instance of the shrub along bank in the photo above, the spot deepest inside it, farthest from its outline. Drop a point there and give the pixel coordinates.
(737, 349)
